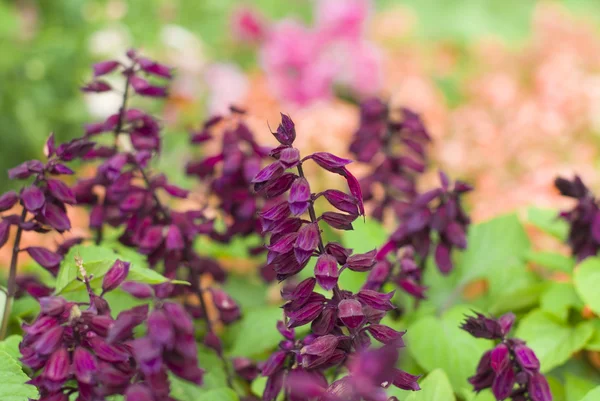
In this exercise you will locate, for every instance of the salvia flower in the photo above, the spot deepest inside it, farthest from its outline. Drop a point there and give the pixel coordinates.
(583, 219)
(511, 370)
(343, 323)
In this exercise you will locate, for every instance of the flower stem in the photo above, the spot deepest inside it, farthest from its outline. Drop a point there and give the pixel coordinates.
(12, 278)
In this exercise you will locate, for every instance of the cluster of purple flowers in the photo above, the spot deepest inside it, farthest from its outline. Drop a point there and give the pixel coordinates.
(394, 142)
(583, 219)
(511, 369)
(341, 325)
(87, 352)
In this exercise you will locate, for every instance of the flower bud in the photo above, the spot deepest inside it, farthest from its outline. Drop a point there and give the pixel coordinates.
(350, 313)
(503, 383)
(342, 201)
(138, 290)
(8, 200)
(306, 242)
(52, 306)
(84, 365)
(49, 341)
(326, 272)
(299, 198)
(115, 276)
(286, 131)
(47, 259)
(526, 358)
(160, 329)
(376, 299)
(33, 198)
(361, 262)
(385, 334)
(499, 358)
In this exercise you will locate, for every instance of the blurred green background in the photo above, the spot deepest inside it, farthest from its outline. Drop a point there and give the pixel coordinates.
(47, 48)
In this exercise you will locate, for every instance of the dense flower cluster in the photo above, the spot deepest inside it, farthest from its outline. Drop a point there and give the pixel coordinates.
(341, 326)
(87, 352)
(511, 369)
(583, 219)
(394, 143)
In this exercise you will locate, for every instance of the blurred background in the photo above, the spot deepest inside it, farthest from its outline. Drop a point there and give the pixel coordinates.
(510, 89)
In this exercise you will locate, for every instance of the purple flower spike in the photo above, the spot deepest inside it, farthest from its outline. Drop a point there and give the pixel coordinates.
(115, 276)
(539, 390)
(326, 272)
(286, 131)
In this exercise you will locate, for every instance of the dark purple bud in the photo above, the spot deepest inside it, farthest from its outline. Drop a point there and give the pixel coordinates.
(212, 341)
(160, 329)
(328, 161)
(277, 186)
(456, 235)
(302, 291)
(138, 290)
(132, 201)
(274, 363)
(4, 232)
(361, 262)
(405, 381)
(284, 244)
(289, 157)
(52, 306)
(115, 276)
(154, 68)
(44, 257)
(289, 334)
(61, 191)
(56, 217)
(273, 386)
(286, 131)
(322, 348)
(526, 358)
(97, 216)
(8, 200)
(33, 198)
(105, 67)
(94, 128)
(342, 201)
(307, 313)
(123, 326)
(350, 313)
(385, 334)
(338, 252)
(41, 325)
(176, 191)
(143, 88)
(503, 383)
(57, 367)
(227, 307)
(271, 172)
(412, 287)
(245, 368)
(174, 239)
(152, 239)
(325, 323)
(499, 358)
(101, 324)
(84, 365)
(97, 86)
(506, 322)
(299, 198)
(107, 352)
(355, 189)
(326, 272)
(20, 172)
(139, 392)
(306, 242)
(442, 258)
(180, 319)
(339, 220)
(49, 146)
(538, 388)
(376, 300)
(462, 187)
(49, 341)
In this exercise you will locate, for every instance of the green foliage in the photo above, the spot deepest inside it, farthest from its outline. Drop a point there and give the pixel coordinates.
(435, 387)
(593, 395)
(576, 387)
(559, 298)
(587, 282)
(552, 340)
(10, 345)
(551, 260)
(97, 260)
(13, 380)
(548, 221)
(439, 343)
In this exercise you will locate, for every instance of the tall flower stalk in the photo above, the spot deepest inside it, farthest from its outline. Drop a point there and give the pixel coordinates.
(342, 323)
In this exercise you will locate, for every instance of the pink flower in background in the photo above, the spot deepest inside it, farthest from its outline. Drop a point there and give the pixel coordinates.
(342, 19)
(248, 26)
(303, 63)
(227, 85)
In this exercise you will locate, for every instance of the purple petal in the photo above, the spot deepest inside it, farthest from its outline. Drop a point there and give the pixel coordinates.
(105, 67)
(328, 161)
(33, 198)
(4, 232)
(84, 365)
(115, 276)
(8, 200)
(46, 258)
(61, 191)
(286, 131)
(350, 313)
(268, 173)
(326, 272)
(56, 217)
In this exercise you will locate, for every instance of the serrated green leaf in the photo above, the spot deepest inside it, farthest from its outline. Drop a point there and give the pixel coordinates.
(587, 282)
(435, 387)
(548, 221)
(13, 379)
(593, 395)
(439, 343)
(551, 260)
(576, 387)
(10, 345)
(552, 340)
(559, 298)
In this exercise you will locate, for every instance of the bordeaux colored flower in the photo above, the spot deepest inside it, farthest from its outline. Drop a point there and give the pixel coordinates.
(583, 219)
(511, 369)
(343, 323)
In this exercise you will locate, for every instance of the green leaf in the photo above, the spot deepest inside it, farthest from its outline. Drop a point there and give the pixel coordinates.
(10, 345)
(559, 298)
(435, 387)
(593, 395)
(552, 340)
(594, 343)
(221, 394)
(587, 282)
(514, 300)
(551, 260)
(548, 221)
(493, 245)
(13, 379)
(97, 260)
(215, 377)
(439, 343)
(256, 333)
(576, 387)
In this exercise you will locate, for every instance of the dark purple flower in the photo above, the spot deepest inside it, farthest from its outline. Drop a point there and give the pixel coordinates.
(115, 276)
